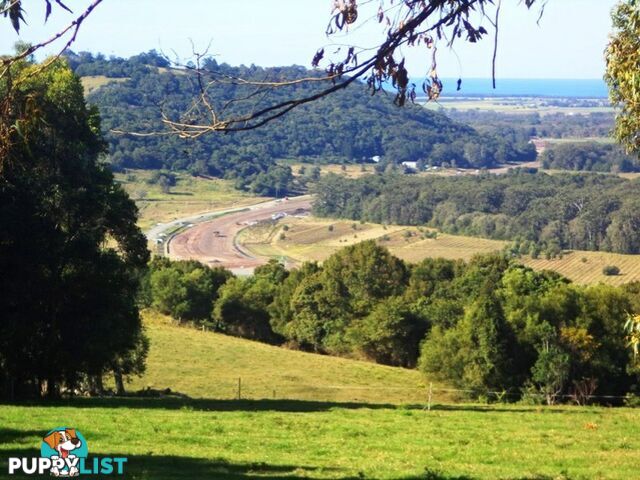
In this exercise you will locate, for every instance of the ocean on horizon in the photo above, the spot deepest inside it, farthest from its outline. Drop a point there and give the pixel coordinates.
(517, 87)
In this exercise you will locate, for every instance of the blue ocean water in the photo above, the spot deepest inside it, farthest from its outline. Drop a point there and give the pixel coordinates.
(516, 87)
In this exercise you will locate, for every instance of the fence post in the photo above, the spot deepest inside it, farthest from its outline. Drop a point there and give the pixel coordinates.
(430, 393)
(239, 388)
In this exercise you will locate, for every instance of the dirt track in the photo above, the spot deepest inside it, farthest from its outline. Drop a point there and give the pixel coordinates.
(214, 242)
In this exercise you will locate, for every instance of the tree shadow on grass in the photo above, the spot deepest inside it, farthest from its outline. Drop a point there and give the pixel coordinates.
(10, 435)
(503, 408)
(183, 402)
(177, 401)
(171, 467)
(187, 194)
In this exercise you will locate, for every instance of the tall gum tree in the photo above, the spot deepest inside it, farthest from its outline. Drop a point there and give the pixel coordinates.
(71, 253)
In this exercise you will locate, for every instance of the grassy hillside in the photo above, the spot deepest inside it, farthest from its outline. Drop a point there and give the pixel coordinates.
(208, 365)
(322, 437)
(93, 82)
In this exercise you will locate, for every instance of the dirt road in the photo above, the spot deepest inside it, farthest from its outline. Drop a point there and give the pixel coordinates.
(214, 242)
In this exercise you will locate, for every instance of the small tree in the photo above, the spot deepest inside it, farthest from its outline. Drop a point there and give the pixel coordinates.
(611, 270)
(550, 372)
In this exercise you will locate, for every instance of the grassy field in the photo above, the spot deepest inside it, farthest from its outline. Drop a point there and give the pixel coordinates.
(513, 105)
(190, 196)
(318, 431)
(348, 170)
(312, 239)
(275, 439)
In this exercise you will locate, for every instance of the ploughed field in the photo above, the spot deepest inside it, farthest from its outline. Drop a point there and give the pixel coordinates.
(298, 240)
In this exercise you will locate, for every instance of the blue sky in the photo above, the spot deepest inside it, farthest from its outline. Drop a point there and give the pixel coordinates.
(568, 43)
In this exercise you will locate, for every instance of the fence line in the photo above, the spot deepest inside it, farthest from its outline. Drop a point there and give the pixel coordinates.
(429, 390)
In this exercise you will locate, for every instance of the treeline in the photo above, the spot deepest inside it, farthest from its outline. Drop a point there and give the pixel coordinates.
(488, 325)
(345, 127)
(589, 156)
(551, 125)
(86, 64)
(569, 211)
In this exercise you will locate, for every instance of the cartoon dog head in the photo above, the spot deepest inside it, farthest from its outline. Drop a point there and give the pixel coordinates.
(63, 441)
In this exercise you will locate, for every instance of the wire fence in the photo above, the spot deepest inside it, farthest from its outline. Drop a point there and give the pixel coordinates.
(427, 394)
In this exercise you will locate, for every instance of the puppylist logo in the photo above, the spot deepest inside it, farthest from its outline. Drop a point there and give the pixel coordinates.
(64, 453)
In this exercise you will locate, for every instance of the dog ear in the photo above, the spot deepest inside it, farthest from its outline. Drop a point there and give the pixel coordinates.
(71, 432)
(52, 439)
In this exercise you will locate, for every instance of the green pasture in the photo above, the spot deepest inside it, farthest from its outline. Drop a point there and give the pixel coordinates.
(228, 439)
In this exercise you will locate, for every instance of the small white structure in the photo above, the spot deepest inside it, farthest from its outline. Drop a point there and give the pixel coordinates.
(411, 165)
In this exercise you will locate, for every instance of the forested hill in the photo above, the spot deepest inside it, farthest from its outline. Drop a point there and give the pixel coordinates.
(347, 126)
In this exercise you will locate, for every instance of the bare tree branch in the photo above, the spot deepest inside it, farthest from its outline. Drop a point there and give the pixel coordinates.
(379, 67)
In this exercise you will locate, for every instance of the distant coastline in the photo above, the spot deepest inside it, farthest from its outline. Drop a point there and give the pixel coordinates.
(517, 87)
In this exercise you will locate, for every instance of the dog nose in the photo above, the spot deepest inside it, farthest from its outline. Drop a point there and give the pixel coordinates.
(75, 441)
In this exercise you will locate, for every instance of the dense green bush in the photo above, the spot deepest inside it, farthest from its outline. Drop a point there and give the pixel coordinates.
(184, 290)
(242, 307)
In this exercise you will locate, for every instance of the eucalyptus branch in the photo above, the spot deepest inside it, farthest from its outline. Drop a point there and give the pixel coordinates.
(73, 27)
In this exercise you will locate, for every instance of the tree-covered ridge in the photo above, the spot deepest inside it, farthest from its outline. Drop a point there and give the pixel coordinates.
(585, 212)
(348, 126)
(589, 156)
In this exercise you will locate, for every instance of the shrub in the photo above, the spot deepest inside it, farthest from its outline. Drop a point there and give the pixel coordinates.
(632, 401)
(611, 270)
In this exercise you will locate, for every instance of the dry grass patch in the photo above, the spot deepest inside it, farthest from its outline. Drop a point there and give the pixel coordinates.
(93, 82)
